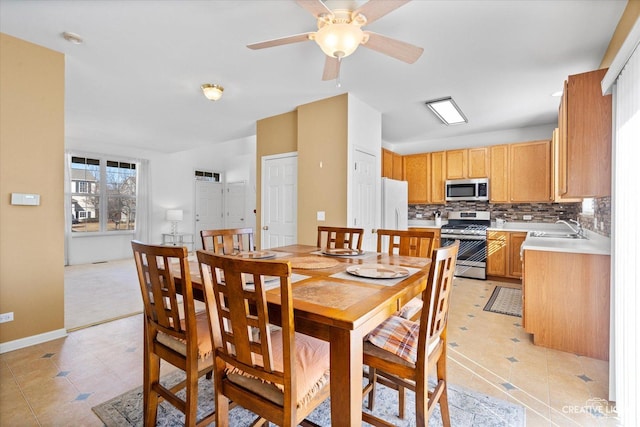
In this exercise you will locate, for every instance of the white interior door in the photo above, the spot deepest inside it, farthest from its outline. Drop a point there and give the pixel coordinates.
(235, 201)
(364, 196)
(209, 208)
(279, 200)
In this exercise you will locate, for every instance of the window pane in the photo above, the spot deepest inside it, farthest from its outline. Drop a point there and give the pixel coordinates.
(85, 213)
(85, 202)
(121, 195)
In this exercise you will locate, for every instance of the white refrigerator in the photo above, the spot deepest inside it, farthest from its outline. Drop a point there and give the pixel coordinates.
(395, 204)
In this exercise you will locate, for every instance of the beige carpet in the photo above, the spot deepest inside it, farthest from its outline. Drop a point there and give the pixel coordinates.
(97, 293)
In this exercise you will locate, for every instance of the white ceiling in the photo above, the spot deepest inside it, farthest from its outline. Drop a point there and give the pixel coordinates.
(135, 81)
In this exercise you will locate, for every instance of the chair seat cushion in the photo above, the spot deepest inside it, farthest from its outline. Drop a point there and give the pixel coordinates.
(410, 308)
(399, 336)
(204, 338)
(312, 370)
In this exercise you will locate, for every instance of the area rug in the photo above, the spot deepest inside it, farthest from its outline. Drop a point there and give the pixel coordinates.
(467, 408)
(505, 301)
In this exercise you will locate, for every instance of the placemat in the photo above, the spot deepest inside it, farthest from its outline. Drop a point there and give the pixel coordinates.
(312, 262)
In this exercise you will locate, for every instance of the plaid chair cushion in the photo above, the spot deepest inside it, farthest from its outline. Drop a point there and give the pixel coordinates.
(398, 336)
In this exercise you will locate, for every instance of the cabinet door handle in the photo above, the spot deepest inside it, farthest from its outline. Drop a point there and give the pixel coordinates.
(266, 227)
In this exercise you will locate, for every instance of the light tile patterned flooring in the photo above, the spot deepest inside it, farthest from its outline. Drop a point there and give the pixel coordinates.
(57, 383)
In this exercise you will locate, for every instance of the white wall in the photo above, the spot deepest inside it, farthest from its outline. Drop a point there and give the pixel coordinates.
(532, 133)
(171, 186)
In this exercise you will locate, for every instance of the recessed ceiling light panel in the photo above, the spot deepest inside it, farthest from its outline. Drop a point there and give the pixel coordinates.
(447, 111)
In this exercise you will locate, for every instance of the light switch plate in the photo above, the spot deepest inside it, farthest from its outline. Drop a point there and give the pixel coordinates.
(527, 217)
(320, 216)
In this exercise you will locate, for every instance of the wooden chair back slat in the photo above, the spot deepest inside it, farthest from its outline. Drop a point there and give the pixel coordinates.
(417, 243)
(340, 237)
(228, 241)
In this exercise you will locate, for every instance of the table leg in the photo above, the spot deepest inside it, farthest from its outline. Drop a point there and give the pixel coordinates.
(346, 378)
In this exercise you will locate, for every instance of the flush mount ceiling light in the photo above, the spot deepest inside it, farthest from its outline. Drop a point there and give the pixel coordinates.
(447, 111)
(72, 38)
(212, 92)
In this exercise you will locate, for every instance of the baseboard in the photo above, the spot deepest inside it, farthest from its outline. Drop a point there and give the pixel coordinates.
(6, 347)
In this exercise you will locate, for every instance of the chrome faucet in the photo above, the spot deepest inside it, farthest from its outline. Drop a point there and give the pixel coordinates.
(578, 230)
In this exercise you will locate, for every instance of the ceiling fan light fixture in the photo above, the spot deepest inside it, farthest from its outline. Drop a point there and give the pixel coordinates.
(447, 111)
(339, 40)
(212, 92)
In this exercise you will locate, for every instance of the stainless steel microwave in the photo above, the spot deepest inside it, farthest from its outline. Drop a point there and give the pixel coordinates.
(467, 189)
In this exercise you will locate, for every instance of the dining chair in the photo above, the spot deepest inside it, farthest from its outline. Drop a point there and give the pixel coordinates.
(340, 237)
(173, 331)
(400, 353)
(412, 242)
(274, 372)
(227, 241)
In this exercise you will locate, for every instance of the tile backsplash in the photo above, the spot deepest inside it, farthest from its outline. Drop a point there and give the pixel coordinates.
(539, 212)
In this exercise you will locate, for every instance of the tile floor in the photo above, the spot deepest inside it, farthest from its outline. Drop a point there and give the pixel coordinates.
(57, 383)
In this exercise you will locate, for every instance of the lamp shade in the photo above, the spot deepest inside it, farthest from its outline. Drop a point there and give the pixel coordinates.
(339, 40)
(212, 92)
(174, 215)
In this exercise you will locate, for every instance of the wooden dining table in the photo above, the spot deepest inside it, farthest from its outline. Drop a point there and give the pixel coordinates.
(341, 308)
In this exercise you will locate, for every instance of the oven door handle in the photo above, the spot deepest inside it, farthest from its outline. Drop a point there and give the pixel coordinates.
(462, 237)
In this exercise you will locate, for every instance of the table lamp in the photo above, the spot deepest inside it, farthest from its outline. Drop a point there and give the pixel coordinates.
(174, 215)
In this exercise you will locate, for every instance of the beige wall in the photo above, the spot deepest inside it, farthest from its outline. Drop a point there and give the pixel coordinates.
(31, 161)
(322, 138)
(627, 20)
(274, 135)
(318, 133)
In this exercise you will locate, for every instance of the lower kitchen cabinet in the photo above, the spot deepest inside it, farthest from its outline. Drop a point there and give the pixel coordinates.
(566, 301)
(503, 253)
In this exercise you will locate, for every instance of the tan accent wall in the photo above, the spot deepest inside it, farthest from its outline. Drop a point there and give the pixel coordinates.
(274, 135)
(31, 161)
(322, 138)
(629, 17)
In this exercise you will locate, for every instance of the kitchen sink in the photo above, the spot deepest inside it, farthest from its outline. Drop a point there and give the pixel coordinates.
(557, 235)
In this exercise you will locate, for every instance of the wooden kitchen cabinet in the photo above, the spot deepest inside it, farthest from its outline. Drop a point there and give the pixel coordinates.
(559, 175)
(503, 254)
(467, 163)
(392, 166)
(530, 172)
(566, 301)
(584, 124)
(499, 174)
(416, 173)
(438, 177)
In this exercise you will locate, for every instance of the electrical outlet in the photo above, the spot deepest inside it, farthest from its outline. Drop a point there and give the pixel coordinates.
(418, 215)
(320, 216)
(6, 317)
(527, 217)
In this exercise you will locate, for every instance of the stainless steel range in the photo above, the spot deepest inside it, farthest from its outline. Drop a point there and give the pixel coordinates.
(471, 229)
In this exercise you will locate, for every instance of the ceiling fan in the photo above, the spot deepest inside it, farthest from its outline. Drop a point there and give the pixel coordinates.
(340, 33)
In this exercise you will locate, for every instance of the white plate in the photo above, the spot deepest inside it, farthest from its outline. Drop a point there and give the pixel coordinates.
(378, 271)
(342, 252)
(256, 255)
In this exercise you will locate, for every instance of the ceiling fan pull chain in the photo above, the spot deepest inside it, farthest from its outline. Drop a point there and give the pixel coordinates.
(338, 83)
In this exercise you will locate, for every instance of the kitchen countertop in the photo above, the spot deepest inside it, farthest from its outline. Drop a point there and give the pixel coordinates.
(594, 244)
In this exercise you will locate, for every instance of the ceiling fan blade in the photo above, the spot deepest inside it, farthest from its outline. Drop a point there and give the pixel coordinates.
(315, 7)
(281, 41)
(376, 9)
(395, 48)
(331, 68)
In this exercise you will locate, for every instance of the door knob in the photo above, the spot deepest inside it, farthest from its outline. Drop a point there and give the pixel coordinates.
(265, 227)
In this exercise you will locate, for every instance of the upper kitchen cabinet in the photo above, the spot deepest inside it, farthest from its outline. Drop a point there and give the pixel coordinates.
(391, 165)
(559, 176)
(417, 173)
(499, 177)
(438, 176)
(468, 163)
(530, 172)
(585, 134)
(521, 172)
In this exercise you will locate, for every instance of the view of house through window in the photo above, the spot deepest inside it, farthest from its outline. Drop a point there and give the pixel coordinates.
(103, 194)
